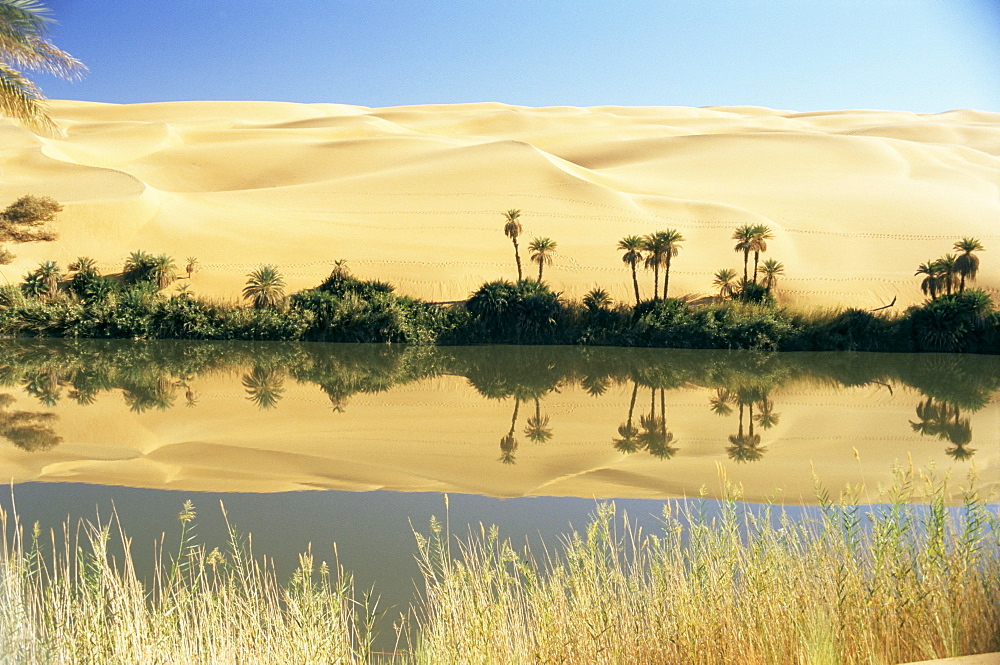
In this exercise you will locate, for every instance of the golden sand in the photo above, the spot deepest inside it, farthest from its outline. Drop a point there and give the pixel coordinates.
(415, 195)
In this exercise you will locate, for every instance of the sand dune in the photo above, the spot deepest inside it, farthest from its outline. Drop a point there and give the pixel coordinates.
(415, 195)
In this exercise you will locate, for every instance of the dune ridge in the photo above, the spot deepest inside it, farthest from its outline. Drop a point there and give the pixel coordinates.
(414, 195)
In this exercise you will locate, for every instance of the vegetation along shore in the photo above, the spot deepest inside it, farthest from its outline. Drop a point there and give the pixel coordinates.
(718, 582)
(744, 313)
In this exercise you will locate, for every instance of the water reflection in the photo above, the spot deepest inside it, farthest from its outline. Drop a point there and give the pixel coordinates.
(548, 394)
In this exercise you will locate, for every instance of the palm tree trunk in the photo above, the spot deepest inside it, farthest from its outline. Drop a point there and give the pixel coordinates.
(538, 411)
(517, 257)
(666, 277)
(756, 258)
(746, 258)
(656, 281)
(540, 264)
(635, 283)
(961, 284)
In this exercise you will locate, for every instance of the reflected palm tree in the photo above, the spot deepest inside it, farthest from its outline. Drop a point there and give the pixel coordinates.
(45, 386)
(537, 426)
(745, 447)
(629, 435)
(655, 437)
(720, 403)
(595, 385)
(508, 444)
(159, 395)
(767, 418)
(84, 396)
(944, 420)
(264, 387)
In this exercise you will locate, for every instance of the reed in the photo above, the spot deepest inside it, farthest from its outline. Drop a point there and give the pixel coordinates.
(895, 583)
(75, 597)
(906, 578)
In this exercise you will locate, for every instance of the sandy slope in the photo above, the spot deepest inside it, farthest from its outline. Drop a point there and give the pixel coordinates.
(415, 195)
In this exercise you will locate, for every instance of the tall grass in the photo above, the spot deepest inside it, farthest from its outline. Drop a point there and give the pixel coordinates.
(70, 599)
(897, 583)
(903, 580)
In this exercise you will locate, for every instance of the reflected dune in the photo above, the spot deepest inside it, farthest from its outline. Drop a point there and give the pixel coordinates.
(500, 421)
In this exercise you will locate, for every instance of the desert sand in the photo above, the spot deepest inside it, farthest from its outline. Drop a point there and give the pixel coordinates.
(415, 195)
(440, 435)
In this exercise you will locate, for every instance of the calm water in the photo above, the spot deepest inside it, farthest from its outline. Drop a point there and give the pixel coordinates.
(526, 438)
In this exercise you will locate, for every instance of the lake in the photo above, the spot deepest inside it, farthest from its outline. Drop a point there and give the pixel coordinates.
(314, 443)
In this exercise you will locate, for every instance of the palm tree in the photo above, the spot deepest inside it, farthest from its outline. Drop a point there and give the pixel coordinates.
(542, 250)
(84, 264)
(932, 282)
(512, 229)
(653, 244)
(633, 247)
(948, 271)
(265, 287)
(772, 269)
(744, 237)
(162, 271)
(192, 266)
(23, 43)
(761, 234)
(137, 266)
(49, 274)
(967, 263)
(44, 281)
(724, 281)
(671, 239)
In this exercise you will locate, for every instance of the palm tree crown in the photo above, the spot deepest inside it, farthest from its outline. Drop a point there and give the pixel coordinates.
(724, 281)
(23, 44)
(761, 234)
(671, 240)
(162, 271)
(633, 247)
(967, 263)
(512, 229)
(542, 250)
(265, 287)
(948, 271)
(744, 237)
(771, 269)
(661, 247)
(932, 281)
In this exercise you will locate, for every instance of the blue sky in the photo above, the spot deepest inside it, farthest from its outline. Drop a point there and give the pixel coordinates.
(915, 55)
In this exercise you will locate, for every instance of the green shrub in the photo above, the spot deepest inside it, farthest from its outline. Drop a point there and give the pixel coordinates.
(528, 312)
(957, 322)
